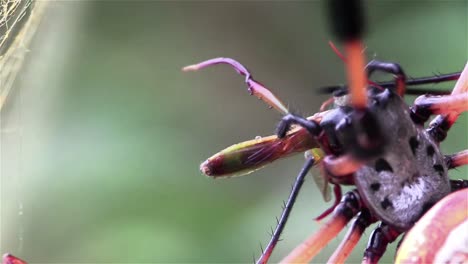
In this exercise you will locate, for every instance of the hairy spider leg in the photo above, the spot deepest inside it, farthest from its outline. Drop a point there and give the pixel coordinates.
(349, 206)
(286, 210)
(409, 82)
(425, 80)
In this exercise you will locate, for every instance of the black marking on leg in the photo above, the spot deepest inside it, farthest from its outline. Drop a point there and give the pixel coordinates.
(375, 186)
(386, 203)
(414, 144)
(382, 165)
(439, 168)
(430, 150)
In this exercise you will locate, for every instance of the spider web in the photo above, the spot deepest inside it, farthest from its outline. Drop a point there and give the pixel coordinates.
(18, 23)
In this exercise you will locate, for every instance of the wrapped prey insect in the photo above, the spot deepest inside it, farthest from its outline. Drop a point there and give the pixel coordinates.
(371, 139)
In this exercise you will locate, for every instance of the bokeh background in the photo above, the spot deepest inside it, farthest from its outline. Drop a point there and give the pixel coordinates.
(102, 135)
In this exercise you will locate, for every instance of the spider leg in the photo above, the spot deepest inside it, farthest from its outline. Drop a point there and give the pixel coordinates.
(457, 159)
(378, 241)
(360, 223)
(427, 105)
(349, 206)
(347, 21)
(450, 105)
(288, 120)
(286, 211)
(439, 127)
(426, 80)
(454, 161)
(393, 68)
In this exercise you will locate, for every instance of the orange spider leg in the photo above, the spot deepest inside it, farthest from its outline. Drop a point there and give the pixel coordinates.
(441, 124)
(457, 159)
(452, 104)
(355, 69)
(344, 212)
(362, 221)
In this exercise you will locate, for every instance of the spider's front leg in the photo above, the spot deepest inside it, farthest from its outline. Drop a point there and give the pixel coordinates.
(288, 120)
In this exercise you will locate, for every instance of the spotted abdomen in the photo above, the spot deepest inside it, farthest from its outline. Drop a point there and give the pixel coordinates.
(399, 186)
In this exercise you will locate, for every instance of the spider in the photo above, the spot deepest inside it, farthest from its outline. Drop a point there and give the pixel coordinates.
(399, 172)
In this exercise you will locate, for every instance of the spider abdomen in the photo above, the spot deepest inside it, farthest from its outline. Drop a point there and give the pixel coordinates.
(401, 184)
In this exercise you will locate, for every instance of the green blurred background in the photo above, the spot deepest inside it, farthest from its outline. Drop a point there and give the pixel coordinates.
(103, 134)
